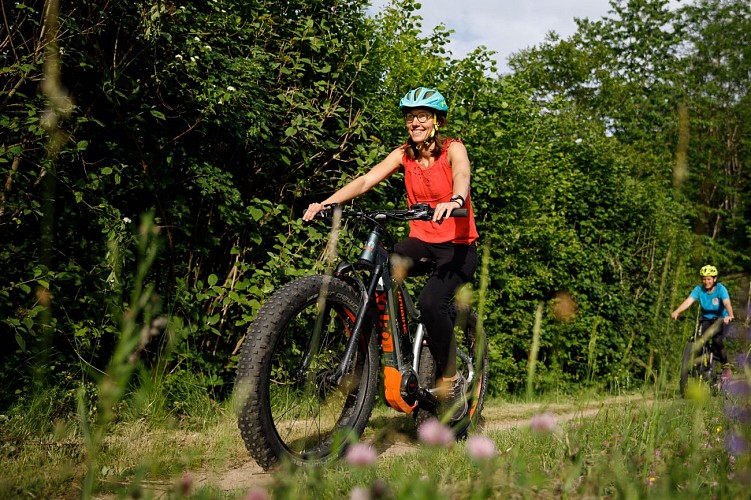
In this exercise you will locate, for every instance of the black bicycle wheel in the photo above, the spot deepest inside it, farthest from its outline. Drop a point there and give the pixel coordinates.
(288, 406)
(698, 364)
(472, 362)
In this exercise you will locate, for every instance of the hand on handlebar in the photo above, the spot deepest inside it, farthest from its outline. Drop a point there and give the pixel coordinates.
(443, 210)
(314, 209)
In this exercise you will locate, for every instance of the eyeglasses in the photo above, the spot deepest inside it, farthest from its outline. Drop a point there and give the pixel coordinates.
(422, 117)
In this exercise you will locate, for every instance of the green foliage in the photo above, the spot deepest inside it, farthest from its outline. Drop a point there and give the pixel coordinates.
(225, 119)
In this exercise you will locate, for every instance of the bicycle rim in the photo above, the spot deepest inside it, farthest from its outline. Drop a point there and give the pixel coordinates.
(309, 411)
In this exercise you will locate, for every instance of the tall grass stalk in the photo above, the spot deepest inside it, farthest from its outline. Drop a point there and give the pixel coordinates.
(481, 341)
(591, 355)
(137, 325)
(536, 329)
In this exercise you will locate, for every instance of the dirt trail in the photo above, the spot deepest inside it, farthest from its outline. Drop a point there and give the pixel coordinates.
(497, 417)
(500, 417)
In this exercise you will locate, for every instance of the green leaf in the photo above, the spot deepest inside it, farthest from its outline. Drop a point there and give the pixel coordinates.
(256, 213)
(20, 341)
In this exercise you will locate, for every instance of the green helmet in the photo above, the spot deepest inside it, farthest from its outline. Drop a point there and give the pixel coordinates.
(423, 97)
(708, 271)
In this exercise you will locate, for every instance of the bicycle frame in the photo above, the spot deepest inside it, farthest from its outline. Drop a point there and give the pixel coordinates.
(400, 354)
(702, 353)
(703, 340)
(308, 375)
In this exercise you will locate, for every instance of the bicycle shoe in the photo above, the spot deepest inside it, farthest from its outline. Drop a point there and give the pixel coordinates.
(456, 398)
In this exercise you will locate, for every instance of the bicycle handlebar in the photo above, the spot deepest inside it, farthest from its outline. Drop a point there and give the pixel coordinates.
(419, 211)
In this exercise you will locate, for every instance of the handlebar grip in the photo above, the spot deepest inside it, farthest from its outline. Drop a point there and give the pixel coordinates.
(459, 212)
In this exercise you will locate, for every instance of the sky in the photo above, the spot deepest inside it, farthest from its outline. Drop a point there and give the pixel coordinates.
(504, 26)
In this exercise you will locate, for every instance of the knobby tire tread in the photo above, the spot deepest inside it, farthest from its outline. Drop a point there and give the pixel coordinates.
(253, 408)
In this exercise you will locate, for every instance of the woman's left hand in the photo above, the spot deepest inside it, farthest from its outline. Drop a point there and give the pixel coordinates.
(443, 210)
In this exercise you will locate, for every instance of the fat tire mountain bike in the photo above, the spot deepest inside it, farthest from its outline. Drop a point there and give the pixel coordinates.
(308, 371)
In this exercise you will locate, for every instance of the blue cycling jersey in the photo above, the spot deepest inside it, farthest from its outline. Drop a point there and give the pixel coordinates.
(712, 306)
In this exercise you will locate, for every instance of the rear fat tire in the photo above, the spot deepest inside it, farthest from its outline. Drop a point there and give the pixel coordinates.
(273, 401)
(466, 337)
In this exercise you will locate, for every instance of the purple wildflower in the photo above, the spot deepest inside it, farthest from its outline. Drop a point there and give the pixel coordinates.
(738, 413)
(257, 493)
(738, 387)
(435, 433)
(361, 455)
(544, 422)
(480, 448)
(742, 360)
(736, 444)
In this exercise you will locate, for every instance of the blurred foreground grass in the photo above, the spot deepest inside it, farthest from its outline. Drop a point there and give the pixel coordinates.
(658, 447)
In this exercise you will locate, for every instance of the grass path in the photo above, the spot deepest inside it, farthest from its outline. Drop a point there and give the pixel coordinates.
(498, 416)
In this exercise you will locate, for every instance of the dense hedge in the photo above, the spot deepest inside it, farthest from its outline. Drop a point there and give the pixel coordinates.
(601, 170)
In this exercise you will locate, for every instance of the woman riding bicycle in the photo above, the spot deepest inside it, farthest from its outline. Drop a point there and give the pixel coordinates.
(436, 172)
(714, 301)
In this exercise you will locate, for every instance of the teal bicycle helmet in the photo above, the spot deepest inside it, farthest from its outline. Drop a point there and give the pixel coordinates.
(423, 97)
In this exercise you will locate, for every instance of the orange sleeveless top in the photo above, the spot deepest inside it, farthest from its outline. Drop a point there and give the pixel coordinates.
(434, 185)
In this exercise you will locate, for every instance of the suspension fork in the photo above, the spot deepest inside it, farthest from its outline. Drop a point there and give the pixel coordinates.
(365, 304)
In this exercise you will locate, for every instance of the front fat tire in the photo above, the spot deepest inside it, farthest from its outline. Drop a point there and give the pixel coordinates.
(304, 419)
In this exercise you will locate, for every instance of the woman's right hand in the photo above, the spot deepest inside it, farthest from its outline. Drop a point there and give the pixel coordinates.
(312, 211)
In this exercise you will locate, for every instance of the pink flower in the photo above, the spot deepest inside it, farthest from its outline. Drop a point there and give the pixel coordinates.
(359, 493)
(544, 422)
(435, 433)
(185, 486)
(361, 455)
(480, 448)
(257, 494)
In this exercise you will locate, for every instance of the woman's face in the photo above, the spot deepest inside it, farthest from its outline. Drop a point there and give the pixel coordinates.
(420, 123)
(708, 281)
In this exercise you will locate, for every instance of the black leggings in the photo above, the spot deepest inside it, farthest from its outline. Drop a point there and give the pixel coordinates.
(449, 266)
(718, 341)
